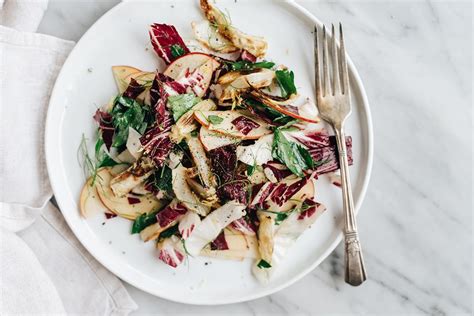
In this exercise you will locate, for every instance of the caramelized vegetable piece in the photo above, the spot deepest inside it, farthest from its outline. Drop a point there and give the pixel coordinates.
(257, 46)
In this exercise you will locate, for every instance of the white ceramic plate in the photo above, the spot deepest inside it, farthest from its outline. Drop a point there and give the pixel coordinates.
(120, 37)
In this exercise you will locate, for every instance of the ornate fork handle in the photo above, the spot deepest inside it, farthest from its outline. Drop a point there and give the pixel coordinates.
(355, 269)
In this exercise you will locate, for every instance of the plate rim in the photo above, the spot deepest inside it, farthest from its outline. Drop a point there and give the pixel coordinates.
(52, 162)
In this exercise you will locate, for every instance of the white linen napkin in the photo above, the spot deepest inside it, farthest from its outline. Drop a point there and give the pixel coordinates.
(43, 267)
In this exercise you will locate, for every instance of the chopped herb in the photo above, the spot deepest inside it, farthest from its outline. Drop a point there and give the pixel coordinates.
(246, 65)
(214, 119)
(251, 169)
(293, 155)
(280, 218)
(143, 221)
(177, 50)
(181, 104)
(286, 80)
(262, 264)
(194, 133)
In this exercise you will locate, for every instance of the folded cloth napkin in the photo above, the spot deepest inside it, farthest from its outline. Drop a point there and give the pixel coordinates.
(43, 267)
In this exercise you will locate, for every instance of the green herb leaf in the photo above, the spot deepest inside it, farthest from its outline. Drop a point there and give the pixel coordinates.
(181, 104)
(194, 133)
(143, 221)
(214, 119)
(251, 169)
(177, 50)
(293, 155)
(107, 162)
(262, 264)
(286, 80)
(167, 233)
(127, 113)
(246, 65)
(164, 179)
(280, 218)
(101, 156)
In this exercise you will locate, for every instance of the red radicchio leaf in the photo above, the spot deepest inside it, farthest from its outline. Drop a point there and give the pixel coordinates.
(244, 225)
(328, 155)
(162, 87)
(278, 170)
(223, 162)
(236, 190)
(134, 89)
(219, 243)
(312, 207)
(258, 201)
(170, 214)
(316, 138)
(157, 145)
(244, 124)
(133, 200)
(245, 55)
(232, 186)
(106, 126)
(284, 192)
(171, 257)
(163, 37)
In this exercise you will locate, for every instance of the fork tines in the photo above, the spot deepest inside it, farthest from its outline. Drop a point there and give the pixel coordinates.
(340, 80)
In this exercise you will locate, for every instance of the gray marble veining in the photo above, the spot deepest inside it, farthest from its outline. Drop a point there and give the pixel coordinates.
(415, 58)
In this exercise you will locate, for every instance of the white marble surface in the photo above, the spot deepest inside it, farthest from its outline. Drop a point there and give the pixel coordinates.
(416, 223)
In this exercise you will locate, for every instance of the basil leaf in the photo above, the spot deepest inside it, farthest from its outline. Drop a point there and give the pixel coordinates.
(101, 156)
(262, 264)
(214, 119)
(293, 155)
(306, 156)
(246, 65)
(286, 80)
(181, 104)
(127, 113)
(107, 162)
(167, 233)
(177, 50)
(143, 221)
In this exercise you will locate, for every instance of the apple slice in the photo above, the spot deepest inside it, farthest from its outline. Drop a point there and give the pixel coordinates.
(121, 73)
(90, 203)
(128, 206)
(240, 247)
(227, 123)
(142, 77)
(212, 140)
(194, 71)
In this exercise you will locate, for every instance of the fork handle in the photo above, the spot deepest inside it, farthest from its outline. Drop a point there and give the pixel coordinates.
(355, 270)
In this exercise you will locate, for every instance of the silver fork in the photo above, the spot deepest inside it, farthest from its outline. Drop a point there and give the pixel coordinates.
(334, 105)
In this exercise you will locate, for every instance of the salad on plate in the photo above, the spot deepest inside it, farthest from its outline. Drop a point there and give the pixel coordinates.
(215, 155)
